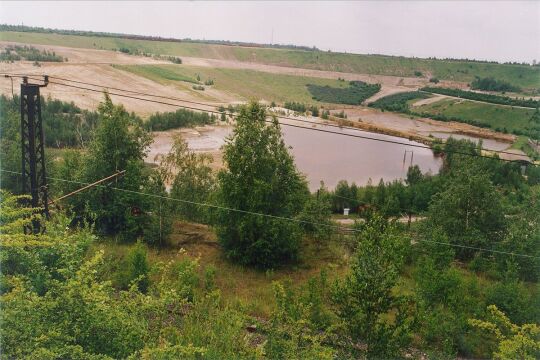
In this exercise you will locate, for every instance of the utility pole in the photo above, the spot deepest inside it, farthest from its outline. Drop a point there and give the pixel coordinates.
(405, 156)
(34, 179)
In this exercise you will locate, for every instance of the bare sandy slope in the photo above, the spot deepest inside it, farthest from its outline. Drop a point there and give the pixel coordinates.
(420, 126)
(85, 57)
(95, 66)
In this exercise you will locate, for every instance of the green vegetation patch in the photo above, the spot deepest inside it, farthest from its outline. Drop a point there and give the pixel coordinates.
(496, 117)
(247, 84)
(177, 119)
(490, 98)
(492, 84)
(158, 73)
(15, 53)
(398, 102)
(357, 92)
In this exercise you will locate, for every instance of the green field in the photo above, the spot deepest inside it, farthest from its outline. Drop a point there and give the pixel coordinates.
(493, 116)
(247, 84)
(524, 76)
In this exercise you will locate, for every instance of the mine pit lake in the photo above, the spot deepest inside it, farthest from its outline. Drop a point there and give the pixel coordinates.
(323, 156)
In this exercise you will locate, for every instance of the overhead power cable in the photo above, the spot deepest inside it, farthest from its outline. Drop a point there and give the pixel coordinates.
(422, 146)
(219, 207)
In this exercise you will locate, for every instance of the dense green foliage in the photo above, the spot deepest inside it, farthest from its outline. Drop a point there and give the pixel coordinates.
(489, 98)
(16, 52)
(513, 341)
(177, 119)
(119, 143)
(65, 124)
(366, 296)
(398, 102)
(260, 177)
(75, 312)
(395, 291)
(491, 84)
(357, 92)
(192, 181)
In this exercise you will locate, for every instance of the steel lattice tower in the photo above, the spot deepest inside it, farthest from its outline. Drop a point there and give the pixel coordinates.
(34, 181)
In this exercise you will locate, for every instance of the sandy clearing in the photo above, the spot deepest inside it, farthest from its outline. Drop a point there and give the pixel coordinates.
(420, 126)
(93, 70)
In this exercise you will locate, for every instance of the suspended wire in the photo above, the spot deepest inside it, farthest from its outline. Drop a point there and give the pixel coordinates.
(281, 123)
(351, 230)
(213, 105)
(134, 92)
(194, 202)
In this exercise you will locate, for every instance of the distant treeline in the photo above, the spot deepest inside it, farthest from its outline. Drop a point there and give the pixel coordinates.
(492, 84)
(64, 124)
(357, 92)
(489, 98)
(67, 125)
(23, 28)
(179, 118)
(398, 102)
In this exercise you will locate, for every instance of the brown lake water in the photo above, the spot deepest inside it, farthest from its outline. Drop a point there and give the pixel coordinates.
(329, 157)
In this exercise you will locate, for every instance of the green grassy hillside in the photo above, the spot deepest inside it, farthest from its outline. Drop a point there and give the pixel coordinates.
(524, 76)
(247, 84)
(496, 117)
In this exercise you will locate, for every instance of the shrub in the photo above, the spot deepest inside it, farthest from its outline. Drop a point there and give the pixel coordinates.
(325, 114)
(341, 114)
(136, 269)
(259, 167)
(492, 84)
(178, 119)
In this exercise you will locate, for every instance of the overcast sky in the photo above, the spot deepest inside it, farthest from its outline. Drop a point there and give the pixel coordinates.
(494, 30)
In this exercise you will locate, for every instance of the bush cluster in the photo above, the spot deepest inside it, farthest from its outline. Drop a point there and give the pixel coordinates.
(179, 118)
(492, 84)
(15, 53)
(294, 106)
